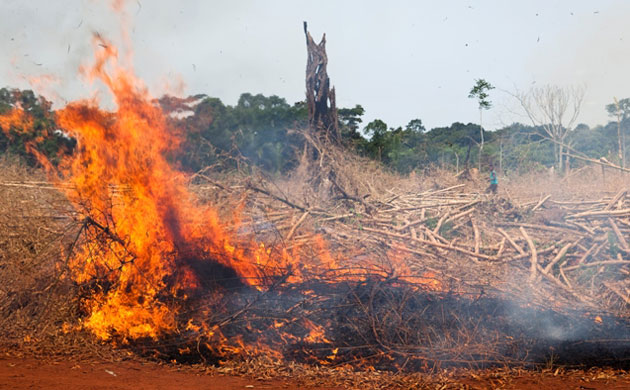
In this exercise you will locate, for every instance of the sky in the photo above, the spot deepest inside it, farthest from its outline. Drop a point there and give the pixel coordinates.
(400, 60)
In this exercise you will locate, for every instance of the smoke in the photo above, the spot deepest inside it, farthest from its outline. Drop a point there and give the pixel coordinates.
(402, 63)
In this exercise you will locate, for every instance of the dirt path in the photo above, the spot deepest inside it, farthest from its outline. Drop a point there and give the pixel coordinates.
(21, 374)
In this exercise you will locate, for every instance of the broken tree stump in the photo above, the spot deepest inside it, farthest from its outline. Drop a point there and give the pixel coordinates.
(320, 98)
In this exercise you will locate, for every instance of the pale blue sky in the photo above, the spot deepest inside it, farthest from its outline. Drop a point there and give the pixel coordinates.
(400, 59)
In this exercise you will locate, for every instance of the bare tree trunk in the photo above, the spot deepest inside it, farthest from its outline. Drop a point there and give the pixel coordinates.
(320, 98)
(467, 156)
(620, 137)
(481, 137)
(620, 154)
(456, 163)
(623, 149)
(501, 155)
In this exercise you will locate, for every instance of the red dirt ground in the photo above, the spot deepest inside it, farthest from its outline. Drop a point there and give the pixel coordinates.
(22, 374)
(29, 373)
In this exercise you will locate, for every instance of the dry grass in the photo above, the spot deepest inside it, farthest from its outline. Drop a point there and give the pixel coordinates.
(347, 200)
(38, 303)
(589, 182)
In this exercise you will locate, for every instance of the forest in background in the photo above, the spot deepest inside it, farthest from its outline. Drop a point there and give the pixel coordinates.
(262, 131)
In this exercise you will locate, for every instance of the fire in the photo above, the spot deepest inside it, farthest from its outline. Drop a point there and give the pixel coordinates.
(146, 243)
(316, 333)
(119, 179)
(159, 240)
(428, 280)
(17, 120)
(155, 263)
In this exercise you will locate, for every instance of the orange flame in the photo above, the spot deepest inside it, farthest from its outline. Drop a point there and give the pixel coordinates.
(146, 237)
(154, 222)
(17, 120)
(121, 181)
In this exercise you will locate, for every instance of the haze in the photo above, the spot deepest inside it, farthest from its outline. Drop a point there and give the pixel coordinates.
(401, 60)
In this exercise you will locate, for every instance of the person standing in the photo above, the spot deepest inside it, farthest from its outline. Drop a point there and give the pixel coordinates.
(494, 182)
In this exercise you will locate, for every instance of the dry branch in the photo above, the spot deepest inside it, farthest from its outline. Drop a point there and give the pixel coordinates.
(624, 297)
(476, 234)
(501, 248)
(601, 213)
(558, 257)
(622, 241)
(511, 241)
(534, 257)
(295, 226)
(611, 205)
(597, 264)
(540, 227)
(269, 194)
(543, 200)
(431, 243)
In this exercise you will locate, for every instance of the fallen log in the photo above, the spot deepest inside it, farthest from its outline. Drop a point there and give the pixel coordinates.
(534, 257)
(477, 235)
(525, 254)
(616, 199)
(430, 243)
(601, 213)
(541, 202)
(558, 257)
(540, 227)
(622, 241)
(597, 264)
(511, 241)
(295, 226)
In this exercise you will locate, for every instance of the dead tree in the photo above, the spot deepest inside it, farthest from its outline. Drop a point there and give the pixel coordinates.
(554, 109)
(320, 98)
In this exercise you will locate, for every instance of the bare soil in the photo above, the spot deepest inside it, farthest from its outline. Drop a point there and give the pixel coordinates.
(67, 374)
(29, 373)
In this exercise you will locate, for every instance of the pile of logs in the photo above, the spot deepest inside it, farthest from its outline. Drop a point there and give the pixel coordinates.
(569, 251)
(515, 280)
(505, 271)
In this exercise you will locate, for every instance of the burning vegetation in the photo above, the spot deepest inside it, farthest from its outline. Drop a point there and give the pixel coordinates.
(338, 263)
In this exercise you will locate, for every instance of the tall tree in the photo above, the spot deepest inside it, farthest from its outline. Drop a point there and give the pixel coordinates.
(480, 91)
(554, 109)
(620, 110)
(349, 120)
(377, 130)
(415, 125)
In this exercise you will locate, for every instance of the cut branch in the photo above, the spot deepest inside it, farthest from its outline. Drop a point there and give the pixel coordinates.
(534, 257)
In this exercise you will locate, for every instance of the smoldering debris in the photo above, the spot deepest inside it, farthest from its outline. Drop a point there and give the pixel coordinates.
(390, 324)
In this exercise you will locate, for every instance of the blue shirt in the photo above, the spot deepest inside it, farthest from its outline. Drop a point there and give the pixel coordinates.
(493, 178)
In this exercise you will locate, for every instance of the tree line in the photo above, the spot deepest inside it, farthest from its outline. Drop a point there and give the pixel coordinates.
(262, 130)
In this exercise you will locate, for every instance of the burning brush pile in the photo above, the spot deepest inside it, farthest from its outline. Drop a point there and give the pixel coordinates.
(340, 264)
